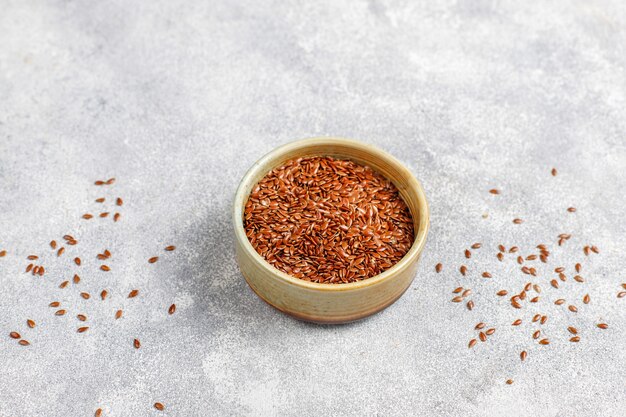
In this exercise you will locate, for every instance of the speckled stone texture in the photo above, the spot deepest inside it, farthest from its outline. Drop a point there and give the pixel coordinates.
(176, 99)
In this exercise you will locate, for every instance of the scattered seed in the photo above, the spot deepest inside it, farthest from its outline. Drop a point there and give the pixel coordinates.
(491, 331)
(482, 336)
(85, 295)
(479, 326)
(575, 339)
(559, 269)
(578, 267)
(30, 323)
(501, 248)
(105, 268)
(83, 329)
(170, 248)
(110, 181)
(159, 406)
(463, 270)
(572, 330)
(536, 334)
(87, 216)
(621, 294)
(136, 343)
(24, 342)
(172, 309)
(554, 283)
(59, 313)
(133, 293)
(486, 275)
(502, 293)
(476, 246)
(586, 299)
(81, 317)
(457, 290)
(438, 268)
(500, 256)
(544, 342)
(104, 214)
(537, 288)
(518, 221)
(571, 209)
(578, 278)
(118, 314)
(60, 251)
(553, 172)
(509, 381)
(119, 201)
(3, 253)
(116, 217)
(99, 182)
(29, 267)
(523, 355)
(153, 259)
(457, 299)
(77, 261)
(602, 326)
(76, 279)
(98, 412)
(107, 253)
(103, 294)
(54, 304)
(100, 200)
(471, 343)
(573, 308)
(494, 191)
(543, 319)
(466, 292)
(470, 305)
(536, 317)
(14, 335)
(517, 322)
(468, 254)
(534, 299)
(595, 249)
(32, 257)
(531, 257)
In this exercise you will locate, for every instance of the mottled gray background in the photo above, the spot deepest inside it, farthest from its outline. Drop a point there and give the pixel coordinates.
(176, 99)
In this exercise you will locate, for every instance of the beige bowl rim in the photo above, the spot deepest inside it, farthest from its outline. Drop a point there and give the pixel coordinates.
(245, 186)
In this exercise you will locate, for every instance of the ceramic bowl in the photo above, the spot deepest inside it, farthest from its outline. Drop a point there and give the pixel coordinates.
(331, 303)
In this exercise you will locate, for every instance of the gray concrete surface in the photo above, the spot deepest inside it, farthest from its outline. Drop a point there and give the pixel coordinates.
(176, 99)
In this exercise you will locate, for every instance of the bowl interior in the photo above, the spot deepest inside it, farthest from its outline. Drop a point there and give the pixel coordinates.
(410, 190)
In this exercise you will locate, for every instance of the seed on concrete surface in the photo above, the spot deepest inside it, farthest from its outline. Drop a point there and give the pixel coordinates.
(603, 325)
(471, 343)
(523, 355)
(517, 322)
(438, 268)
